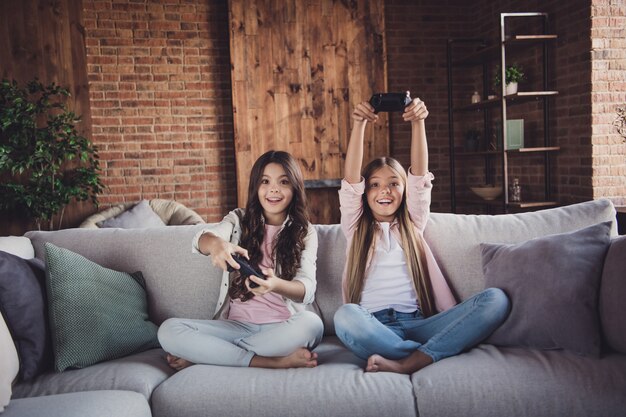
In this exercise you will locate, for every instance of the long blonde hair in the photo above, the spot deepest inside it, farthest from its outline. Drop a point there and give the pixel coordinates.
(412, 244)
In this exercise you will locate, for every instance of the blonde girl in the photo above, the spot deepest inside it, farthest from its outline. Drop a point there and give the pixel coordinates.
(265, 325)
(400, 314)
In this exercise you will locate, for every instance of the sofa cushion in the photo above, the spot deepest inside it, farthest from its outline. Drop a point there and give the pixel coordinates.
(139, 216)
(141, 373)
(518, 382)
(22, 303)
(18, 246)
(80, 404)
(455, 240)
(162, 254)
(553, 285)
(9, 363)
(96, 313)
(331, 261)
(613, 294)
(337, 388)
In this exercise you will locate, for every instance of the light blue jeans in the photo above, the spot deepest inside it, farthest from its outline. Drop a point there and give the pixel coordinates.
(395, 335)
(234, 343)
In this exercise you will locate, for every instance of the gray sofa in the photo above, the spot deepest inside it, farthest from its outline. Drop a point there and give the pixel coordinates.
(486, 381)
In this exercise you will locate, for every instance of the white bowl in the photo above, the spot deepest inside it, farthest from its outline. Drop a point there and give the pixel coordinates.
(487, 192)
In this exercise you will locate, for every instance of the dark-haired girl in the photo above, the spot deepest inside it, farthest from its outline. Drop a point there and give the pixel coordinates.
(267, 325)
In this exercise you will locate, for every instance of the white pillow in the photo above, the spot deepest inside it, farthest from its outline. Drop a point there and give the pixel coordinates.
(9, 363)
(139, 216)
(18, 246)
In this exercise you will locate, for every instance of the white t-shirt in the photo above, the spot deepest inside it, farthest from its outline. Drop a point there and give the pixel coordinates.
(388, 283)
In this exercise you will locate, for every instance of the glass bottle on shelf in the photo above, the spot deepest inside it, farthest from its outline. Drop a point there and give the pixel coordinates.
(515, 191)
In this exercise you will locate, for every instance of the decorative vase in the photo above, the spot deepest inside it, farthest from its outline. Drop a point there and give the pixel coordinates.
(511, 88)
(515, 191)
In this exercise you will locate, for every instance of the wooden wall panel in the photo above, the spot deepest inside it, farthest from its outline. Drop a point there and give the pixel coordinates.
(46, 40)
(298, 70)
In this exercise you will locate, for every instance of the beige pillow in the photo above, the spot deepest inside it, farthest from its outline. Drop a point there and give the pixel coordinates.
(553, 284)
(9, 363)
(18, 246)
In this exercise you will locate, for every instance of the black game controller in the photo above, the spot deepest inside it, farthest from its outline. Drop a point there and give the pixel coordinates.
(245, 269)
(390, 101)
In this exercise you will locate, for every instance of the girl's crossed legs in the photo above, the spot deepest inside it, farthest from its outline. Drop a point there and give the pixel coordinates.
(234, 343)
(406, 342)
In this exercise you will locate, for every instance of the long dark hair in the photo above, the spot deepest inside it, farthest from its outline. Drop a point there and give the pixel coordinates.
(412, 244)
(290, 242)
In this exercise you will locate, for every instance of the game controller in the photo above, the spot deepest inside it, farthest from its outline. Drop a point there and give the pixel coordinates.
(390, 102)
(245, 269)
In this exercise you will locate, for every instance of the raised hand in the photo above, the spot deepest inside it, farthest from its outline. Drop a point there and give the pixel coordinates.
(364, 112)
(415, 111)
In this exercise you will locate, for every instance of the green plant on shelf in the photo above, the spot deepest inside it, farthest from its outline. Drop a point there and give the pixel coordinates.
(513, 74)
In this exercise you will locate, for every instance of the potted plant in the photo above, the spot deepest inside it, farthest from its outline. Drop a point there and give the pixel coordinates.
(44, 162)
(513, 75)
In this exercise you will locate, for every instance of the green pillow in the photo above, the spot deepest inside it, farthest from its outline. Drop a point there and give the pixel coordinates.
(96, 314)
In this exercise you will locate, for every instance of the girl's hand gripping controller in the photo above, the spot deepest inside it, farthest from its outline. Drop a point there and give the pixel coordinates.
(245, 269)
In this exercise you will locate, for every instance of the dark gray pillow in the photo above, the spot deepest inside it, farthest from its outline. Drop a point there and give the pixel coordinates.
(96, 313)
(139, 216)
(553, 284)
(22, 303)
(613, 296)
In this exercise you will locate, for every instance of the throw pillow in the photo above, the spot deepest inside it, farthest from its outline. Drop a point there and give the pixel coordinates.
(18, 246)
(612, 295)
(138, 217)
(553, 284)
(22, 302)
(9, 363)
(96, 313)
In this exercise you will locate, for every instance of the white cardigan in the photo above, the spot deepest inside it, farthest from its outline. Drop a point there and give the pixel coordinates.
(230, 229)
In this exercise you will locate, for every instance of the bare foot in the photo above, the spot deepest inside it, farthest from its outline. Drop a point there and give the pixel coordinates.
(301, 358)
(177, 363)
(412, 363)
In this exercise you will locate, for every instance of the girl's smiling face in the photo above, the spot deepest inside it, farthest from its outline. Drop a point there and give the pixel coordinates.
(275, 194)
(384, 191)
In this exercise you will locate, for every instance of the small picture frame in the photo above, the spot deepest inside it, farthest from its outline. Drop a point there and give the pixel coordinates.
(514, 134)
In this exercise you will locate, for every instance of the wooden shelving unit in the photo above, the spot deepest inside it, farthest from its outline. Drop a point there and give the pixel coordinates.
(483, 56)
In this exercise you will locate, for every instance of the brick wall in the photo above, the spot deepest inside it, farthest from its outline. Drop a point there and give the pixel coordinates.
(608, 57)
(572, 108)
(159, 79)
(417, 34)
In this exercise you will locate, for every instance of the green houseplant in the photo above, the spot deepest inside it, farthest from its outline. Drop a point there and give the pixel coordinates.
(44, 162)
(513, 75)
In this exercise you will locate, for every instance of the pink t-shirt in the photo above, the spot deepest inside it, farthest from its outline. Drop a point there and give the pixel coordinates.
(262, 309)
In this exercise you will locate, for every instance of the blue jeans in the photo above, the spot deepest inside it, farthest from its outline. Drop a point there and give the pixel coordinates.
(395, 335)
